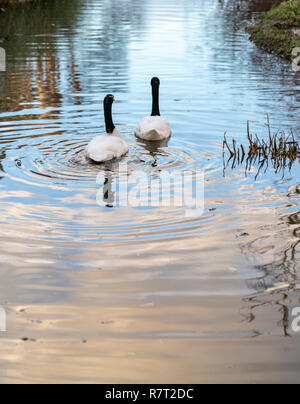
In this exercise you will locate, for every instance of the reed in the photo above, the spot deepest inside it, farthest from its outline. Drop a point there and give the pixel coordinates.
(279, 151)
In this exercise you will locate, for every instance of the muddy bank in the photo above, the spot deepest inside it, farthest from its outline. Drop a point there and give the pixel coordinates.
(277, 31)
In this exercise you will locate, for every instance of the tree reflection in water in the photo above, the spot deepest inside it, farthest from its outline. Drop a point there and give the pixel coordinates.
(46, 60)
(2, 157)
(277, 290)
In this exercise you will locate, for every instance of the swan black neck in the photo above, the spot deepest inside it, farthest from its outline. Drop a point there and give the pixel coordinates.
(155, 83)
(108, 102)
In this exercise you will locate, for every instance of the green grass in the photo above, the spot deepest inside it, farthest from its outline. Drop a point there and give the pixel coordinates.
(273, 31)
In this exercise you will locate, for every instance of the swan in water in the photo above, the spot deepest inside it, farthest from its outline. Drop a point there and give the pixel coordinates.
(110, 146)
(154, 127)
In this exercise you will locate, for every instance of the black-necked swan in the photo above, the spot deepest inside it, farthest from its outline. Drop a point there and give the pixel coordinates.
(110, 146)
(154, 127)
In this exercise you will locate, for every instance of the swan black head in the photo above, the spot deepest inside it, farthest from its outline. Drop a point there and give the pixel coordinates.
(108, 102)
(155, 83)
(109, 99)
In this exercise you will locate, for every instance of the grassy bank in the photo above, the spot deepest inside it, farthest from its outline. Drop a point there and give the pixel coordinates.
(275, 31)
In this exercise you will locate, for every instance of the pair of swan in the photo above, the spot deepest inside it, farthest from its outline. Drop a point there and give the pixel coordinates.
(112, 145)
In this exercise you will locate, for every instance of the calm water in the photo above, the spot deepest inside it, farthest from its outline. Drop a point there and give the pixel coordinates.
(123, 294)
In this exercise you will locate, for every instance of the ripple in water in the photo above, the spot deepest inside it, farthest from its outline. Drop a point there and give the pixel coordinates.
(141, 265)
(56, 165)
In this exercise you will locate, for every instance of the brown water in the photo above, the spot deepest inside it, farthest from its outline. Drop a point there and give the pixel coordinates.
(124, 294)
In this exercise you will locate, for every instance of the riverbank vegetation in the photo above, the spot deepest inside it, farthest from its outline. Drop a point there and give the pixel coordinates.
(279, 151)
(278, 30)
(7, 3)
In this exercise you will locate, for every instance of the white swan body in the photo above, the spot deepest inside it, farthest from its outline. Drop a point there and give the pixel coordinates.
(153, 128)
(106, 148)
(112, 145)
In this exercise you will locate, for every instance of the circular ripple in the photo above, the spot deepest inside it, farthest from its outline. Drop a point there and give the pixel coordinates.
(63, 163)
(66, 191)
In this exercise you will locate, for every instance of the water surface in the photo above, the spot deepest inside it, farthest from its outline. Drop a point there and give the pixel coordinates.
(122, 294)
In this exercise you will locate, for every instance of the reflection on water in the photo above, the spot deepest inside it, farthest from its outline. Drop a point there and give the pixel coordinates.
(144, 288)
(277, 286)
